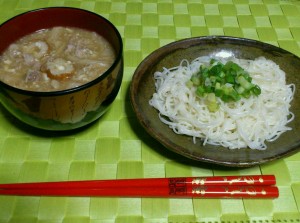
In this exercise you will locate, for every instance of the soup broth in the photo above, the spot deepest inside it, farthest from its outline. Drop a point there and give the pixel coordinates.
(55, 59)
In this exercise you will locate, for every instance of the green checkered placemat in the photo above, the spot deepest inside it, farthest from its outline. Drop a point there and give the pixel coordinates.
(116, 146)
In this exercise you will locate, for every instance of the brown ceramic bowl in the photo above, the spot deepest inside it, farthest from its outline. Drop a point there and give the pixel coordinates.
(66, 109)
(142, 89)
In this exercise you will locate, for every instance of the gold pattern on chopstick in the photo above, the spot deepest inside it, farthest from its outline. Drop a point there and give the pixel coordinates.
(199, 181)
(199, 190)
(248, 180)
(245, 179)
(248, 190)
(251, 191)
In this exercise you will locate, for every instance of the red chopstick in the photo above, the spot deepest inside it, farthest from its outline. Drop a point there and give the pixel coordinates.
(208, 187)
(193, 192)
(257, 180)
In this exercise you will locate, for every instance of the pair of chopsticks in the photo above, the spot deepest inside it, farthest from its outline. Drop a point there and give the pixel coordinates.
(251, 186)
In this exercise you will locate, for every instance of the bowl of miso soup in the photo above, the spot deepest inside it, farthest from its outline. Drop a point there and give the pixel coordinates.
(60, 68)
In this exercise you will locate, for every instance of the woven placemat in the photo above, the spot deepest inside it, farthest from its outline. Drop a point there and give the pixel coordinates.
(117, 147)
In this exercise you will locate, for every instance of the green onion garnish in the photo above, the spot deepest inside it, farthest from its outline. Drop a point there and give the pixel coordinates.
(229, 82)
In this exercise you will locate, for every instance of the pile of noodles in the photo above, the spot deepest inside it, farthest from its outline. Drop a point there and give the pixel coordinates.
(246, 123)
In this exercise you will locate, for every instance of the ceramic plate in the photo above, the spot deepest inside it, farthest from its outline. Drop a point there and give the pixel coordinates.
(142, 89)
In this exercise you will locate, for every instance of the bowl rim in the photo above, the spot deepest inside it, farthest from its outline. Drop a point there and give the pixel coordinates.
(118, 59)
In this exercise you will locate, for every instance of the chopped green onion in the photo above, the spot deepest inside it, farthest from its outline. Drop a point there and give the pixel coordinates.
(256, 90)
(244, 83)
(189, 84)
(211, 102)
(200, 91)
(195, 80)
(228, 81)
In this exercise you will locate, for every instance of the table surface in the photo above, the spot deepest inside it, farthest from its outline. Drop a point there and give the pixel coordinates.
(116, 146)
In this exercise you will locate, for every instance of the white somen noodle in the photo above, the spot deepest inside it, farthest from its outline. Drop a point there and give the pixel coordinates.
(245, 123)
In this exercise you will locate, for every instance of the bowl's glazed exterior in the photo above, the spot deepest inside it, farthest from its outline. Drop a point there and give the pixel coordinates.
(72, 108)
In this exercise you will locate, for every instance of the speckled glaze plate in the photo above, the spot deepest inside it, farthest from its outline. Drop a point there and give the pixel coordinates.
(142, 89)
